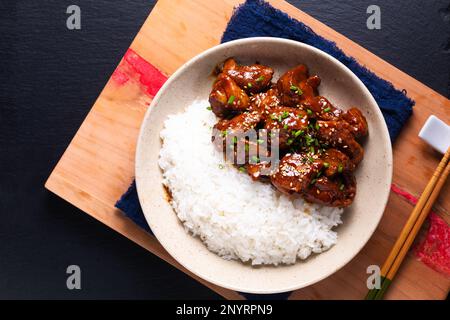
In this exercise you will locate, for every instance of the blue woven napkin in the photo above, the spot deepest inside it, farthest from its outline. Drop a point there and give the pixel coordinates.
(256, 18)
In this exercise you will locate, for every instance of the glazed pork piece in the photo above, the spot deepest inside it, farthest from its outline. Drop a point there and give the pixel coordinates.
(265, 101)
(319, 143)
(253, 78)
(228, 132)
(295, 173)
(285, 120)
(295, 86)
(227, 97)
(321, 108)
(332, 192)
(357, 122)
(336, 162)
(327, 180)
(339, 135)
(242, 122)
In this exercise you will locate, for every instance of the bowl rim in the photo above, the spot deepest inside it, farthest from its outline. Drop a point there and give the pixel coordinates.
(275, 40)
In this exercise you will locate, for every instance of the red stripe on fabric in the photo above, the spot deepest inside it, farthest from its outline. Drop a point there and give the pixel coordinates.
(120, 77)
(434, 250)
(149, 75)
(404, 194)
(134, 66)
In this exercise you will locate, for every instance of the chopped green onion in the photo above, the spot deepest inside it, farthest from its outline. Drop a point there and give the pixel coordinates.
(231, 99)
(285, 127)
(326, 164)
(289, 142)
(242, 169)
(249, 85)
(285, 114)
(309, 112)
(341, 187)
(279, 118)
(299, 132)
(255, 159)
(209, 108)
(294, 88)
(319, 174)
(316, 142)
(311, 149)
(273, 117)
(299, 92)
(340, 168)
(261, 78)
(327, 109)
(313, 181)
(317, 126)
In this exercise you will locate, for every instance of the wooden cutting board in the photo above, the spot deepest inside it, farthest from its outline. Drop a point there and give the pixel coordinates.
(98, 165)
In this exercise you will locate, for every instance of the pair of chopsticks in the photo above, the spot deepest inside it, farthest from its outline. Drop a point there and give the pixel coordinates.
(412, 227)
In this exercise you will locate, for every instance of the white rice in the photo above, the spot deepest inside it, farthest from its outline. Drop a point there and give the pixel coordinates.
(234, 216)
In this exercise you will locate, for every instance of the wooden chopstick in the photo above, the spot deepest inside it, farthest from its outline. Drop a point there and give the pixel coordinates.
(412, 227)
(410, 239)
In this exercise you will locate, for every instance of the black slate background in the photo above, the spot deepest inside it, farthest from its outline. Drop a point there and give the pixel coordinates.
(51, 76)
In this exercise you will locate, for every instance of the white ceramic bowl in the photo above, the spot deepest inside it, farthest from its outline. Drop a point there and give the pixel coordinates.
(193, 81)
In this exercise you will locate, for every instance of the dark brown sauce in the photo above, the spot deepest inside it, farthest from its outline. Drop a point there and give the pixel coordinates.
(167, 193)
(217, 70)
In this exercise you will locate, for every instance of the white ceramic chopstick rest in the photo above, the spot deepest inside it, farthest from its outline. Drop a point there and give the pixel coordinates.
(436, 133)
